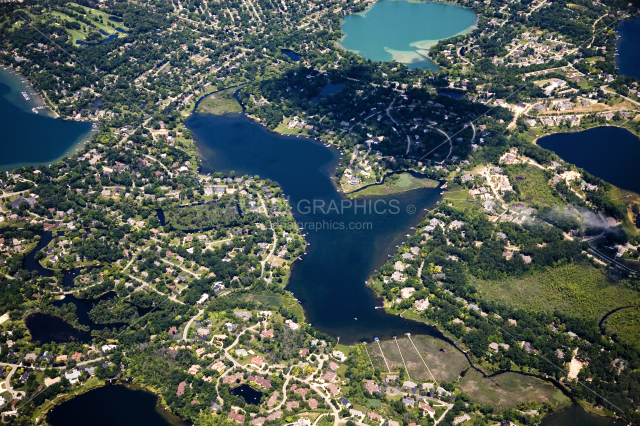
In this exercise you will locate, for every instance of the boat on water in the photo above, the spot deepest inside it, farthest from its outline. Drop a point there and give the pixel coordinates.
(26, 96)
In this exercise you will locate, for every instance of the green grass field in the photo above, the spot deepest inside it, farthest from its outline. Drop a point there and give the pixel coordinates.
(105, 24)
(510, 389)
(626, 324)
(393, 185)
(534, 185)
(578, 290)
(220, 103)
(444, 361)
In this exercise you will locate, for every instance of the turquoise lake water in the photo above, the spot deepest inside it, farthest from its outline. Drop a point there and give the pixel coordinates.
(404, 31)
(30, 138)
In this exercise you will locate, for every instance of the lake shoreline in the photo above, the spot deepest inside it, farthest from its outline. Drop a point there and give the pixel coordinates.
(17, 109)
(161, 406)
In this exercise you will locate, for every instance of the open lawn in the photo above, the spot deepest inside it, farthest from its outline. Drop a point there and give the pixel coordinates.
(443, 360)
(578, 290)
(533, 185)
(626, 325)
(394, 184)
(220, 103)
(510, 389)
(99, 21)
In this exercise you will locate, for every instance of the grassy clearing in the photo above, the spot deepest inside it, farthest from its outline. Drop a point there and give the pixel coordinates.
(578, 290)
(394, 184)
(285, 130)
(510, 389)
(443, 360)
(99, 21)
(220, 103)
(626, 324)
(533, 185)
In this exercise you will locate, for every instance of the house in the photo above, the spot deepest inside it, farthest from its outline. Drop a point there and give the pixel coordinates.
(267, 333)
(374, 416)
(344, 402)
(329, 376)
(371, 386)
(333, 389)
(193, 370)
(257, 361)
(218, 366)
(236, 417)
(426, 408)
(292, 404)
(245, 316)
(203, 298)
(409, 384)
(461, 419)
(181, 387)
(397, 276)
(409, 401)
(72, 375)
(421, 305)
(406, 292)
(339, 356)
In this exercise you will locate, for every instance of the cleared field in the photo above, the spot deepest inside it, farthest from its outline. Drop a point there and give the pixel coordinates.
(510, 389)
(99, 20)
(533, 185)
(626, 324)
(220, 103)
(394, 184)
(577, 290)
(444, 361)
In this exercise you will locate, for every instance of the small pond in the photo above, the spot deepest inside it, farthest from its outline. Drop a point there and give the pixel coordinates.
(249, 394)
(291, 54)
(329, 89)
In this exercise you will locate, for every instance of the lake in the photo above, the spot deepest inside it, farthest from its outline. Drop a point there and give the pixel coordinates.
(113, 405)
(30, 138)
(611, 153)
(404, 31)
(346, 245)
(575, 415)
(627, 47)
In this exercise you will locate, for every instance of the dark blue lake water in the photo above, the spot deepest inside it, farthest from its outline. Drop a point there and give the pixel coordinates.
(611, 153)
(345, 246)
(29, 138)
(628, 48)
(113, 405)
(291, 54)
